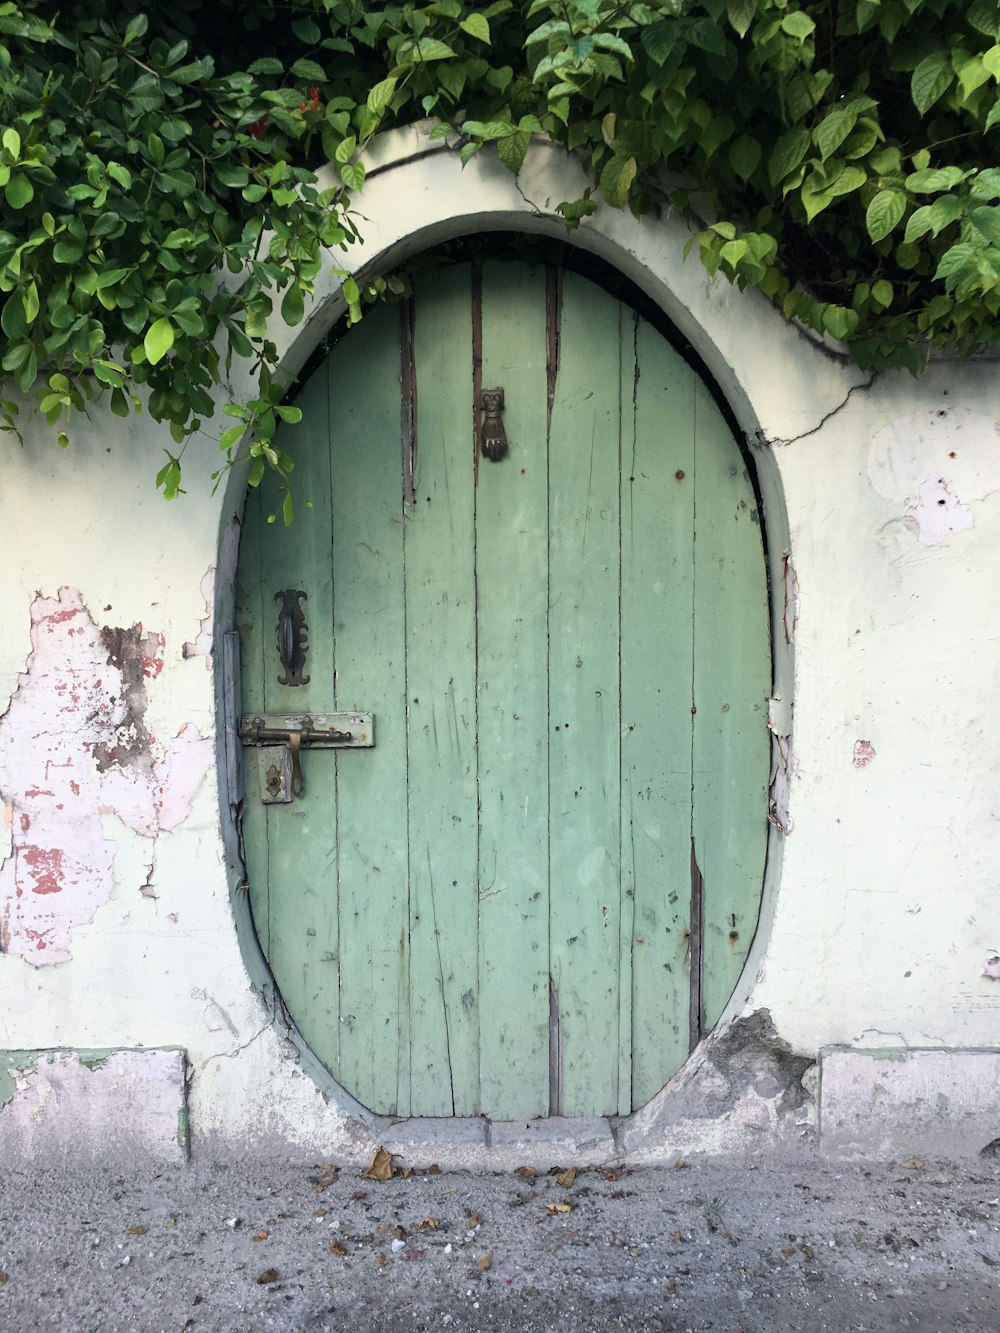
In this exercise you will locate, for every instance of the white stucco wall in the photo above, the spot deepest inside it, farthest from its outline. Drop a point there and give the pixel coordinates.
(880, 910)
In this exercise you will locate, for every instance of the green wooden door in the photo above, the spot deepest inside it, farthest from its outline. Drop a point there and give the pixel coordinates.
(537, 890)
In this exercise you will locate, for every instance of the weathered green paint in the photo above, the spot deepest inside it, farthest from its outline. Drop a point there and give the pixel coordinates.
(566, 653)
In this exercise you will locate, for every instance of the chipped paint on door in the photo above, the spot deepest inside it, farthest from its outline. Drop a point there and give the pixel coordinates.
(537, 891)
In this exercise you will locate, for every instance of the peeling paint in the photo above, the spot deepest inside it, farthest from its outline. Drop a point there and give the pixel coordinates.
(201, 645)
(991, 968)
(791, 612)
(785, 768)
(938, 513)
(864, 753)
(73, 747)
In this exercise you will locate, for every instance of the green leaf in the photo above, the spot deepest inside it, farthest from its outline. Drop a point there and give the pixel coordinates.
(381, 95)
(286, 509)
(476, 26)
(353, 175)
(293, 305)
(788, 152)
(136, 28)
(19, 191)
(307, 31)
(120, 174)
(832, 130)
(429, 48)
(882, 293)
(232, 176)
(931, 79)
(617, 178)
(512, 150)
(744, 156)
(987, 223)
(267, 65)
(293, 415)
(798, 24)
(12, 143)
(884, 212)
(158, 340)
(741, 14)
(308, 69)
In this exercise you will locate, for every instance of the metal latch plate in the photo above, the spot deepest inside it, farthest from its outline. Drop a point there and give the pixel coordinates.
(318, 731)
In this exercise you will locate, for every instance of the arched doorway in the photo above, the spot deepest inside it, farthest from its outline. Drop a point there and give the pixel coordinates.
(536, 890)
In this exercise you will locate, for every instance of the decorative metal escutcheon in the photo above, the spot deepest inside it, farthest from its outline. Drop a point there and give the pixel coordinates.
(292, 635)
(281, 737)
(493, 437)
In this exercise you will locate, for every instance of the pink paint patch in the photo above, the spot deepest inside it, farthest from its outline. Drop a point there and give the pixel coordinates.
(991, 968)
(864, 753)
(43, 865)
(938, 513)
(63, 765)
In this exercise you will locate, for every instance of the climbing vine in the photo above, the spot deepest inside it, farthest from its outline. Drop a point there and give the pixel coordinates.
(159, 197)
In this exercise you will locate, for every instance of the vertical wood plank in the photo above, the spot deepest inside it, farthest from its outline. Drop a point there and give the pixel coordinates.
(584, 719)
(657, 645)
(291, 840)
(441, 706)
(369, 617)
(511, 560)
(732, 683)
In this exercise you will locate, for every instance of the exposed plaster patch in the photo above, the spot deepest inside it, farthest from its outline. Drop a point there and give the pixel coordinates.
(991, 968)
(937, 513)
(791, 616)
(201, 646)
(92, 1104)
(954, 450)
(745, 1077)
(779, 721)
(864, 753)
(73, 747)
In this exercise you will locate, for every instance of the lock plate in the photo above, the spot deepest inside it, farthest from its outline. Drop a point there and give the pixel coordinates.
(279, 738)
(274, 774)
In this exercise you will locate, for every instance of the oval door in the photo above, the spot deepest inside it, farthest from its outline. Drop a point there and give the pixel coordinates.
(536, 890)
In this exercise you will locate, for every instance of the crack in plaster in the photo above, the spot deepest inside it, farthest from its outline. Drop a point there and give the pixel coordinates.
(762, 438)
(74, 747)
(231, 1055)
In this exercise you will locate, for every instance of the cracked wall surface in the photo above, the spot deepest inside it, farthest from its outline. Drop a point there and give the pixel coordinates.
(879, 926)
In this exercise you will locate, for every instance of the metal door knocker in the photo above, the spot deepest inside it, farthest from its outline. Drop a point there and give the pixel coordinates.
(493, 439)
(293, 636)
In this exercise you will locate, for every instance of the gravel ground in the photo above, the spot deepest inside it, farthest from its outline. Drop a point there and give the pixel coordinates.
(767, 1247)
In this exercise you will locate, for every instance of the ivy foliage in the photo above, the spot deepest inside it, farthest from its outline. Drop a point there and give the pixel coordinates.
(159, 198)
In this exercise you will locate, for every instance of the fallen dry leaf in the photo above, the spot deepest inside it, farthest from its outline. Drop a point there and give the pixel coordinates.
(565, 1179)
(380, 1167)
(528, 1171)
(788, 1251)
(380, 1260)
(914, 1163)
(553, 1208)
(136, 1231)
(427, 1224)
(678, 1236)
(671, 1288)
(486, 1262)
(680, 1164)
(807, 1251)
(412, 1255)
(337, 1248)
(268, 1275)
(260, 1235)
(3, 1278)
(474, 1221)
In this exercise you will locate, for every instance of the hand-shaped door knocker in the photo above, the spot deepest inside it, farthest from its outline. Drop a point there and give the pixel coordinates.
(493, 437)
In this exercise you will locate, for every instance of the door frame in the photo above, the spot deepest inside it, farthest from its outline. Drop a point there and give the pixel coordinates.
(416, 196)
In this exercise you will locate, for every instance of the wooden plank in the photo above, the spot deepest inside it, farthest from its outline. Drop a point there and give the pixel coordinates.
(301, 857)
(584, 719)
(657, 645)
(731, 687)
(511, 560)
(441, 706)
(370, 644)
